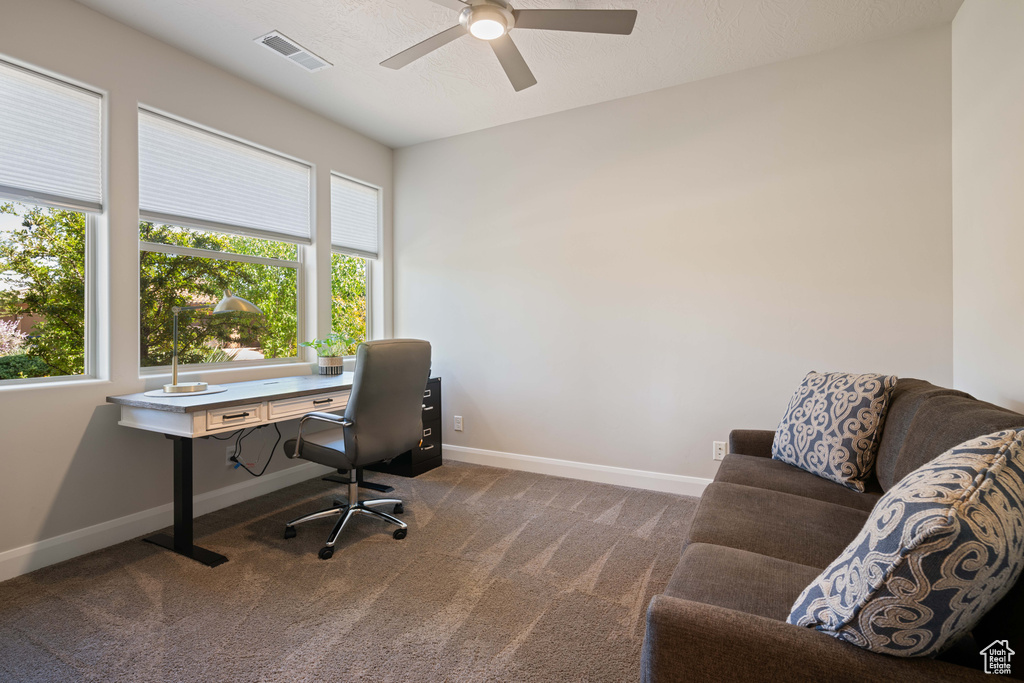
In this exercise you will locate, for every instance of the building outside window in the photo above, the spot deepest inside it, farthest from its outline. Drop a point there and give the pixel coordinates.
(50, 194)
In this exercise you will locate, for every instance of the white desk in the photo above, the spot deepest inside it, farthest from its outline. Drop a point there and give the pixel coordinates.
(243, 405)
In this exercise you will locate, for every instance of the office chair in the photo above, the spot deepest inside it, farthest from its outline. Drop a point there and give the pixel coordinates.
(384, 419)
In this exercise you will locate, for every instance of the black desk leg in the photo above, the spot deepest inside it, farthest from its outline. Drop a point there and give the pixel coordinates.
(181, 541)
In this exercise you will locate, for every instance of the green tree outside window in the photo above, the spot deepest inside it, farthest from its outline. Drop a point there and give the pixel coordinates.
(348, 299)
(42, 276)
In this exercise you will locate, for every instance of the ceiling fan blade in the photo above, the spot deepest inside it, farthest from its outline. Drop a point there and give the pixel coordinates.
(617, 21)
(452, 4)
(427, 46)
(513, 63)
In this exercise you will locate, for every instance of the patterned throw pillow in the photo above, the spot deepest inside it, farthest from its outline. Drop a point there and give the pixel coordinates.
(833, 426)
(939, 550)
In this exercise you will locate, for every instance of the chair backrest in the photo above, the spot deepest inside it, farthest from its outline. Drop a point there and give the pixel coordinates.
(386, 404)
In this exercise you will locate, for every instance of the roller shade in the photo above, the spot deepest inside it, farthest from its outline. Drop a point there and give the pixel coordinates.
(193, 177)
(51, 138)
(355, 215)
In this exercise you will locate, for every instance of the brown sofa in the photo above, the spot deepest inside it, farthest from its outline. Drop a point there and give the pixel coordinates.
(764, 530)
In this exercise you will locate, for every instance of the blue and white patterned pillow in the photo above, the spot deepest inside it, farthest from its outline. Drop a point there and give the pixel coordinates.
(833, 426)
(939, 550)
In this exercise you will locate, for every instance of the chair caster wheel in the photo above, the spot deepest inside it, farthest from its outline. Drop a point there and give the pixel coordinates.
(399, 534)
(289, 532)
(326, 553)
(399, 509)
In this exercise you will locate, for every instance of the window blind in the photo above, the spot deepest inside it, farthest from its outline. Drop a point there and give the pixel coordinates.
(50, 141)
(193, 177)
(354, 217)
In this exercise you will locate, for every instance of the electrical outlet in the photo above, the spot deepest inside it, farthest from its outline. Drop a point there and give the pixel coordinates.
(458, 423)
(718, 452)
(230, 453)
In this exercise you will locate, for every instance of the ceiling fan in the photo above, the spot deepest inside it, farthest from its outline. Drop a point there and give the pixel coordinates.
(491, 20)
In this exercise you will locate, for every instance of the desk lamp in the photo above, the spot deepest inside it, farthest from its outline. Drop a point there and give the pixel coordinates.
(229, 304)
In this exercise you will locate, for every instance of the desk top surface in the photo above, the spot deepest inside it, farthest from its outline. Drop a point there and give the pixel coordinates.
(239, 393)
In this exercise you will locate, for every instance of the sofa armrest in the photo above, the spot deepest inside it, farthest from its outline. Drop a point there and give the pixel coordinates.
(691, 641)
(751, 442)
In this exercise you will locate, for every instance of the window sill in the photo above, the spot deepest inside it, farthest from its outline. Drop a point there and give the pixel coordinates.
(208, 369)
(50, 383)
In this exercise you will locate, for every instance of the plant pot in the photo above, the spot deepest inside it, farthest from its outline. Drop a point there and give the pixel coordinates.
(330, 365)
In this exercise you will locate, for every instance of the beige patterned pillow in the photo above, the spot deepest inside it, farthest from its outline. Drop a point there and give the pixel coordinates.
(940, 549)
(833, 426)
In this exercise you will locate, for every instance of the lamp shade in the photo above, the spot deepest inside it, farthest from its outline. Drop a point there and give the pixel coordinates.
(231, 304)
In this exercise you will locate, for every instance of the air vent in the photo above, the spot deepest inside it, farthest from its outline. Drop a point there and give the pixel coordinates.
(286, 47)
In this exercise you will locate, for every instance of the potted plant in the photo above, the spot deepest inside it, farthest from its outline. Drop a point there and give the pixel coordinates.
(330, 352)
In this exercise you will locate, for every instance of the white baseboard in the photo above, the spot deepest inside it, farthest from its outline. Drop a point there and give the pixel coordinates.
(27, 558)
(49, 551)
(604, 474)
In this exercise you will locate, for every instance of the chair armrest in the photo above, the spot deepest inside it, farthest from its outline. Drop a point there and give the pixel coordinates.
(328, 417)
(751, 442)
(319, 417)
(691, 641)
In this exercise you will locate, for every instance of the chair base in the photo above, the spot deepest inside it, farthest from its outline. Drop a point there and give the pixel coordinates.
(347, 511)
(340, 479)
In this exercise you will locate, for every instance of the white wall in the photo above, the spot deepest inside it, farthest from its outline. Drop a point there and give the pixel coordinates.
(65, 465)
(988, 200)
(621, 284)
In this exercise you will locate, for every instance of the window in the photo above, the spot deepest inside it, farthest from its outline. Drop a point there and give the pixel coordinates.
(181, 267)
(218, 214)
(355, 226)
(42, 291)
(50, 191)
(349, 278)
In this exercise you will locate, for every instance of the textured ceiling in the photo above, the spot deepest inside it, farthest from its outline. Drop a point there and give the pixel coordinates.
(461, 87)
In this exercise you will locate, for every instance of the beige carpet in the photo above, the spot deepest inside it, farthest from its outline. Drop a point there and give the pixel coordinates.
(505, 576)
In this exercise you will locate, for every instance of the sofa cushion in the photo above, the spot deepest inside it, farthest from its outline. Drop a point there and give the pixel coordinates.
(833, 425)
(776, 475)
(940, 549)
(781, 525)
(907, 398)
(739, 579)
(941, 422)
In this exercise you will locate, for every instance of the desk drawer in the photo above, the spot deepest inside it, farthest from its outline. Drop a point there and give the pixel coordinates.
(307, 404)
(235, 416)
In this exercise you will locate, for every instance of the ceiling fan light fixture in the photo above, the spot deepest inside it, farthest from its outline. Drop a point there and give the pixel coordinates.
(493, 20)
(487, 22)
(487, 29)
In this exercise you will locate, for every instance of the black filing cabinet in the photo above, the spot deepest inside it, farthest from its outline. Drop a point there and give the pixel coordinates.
(427, 455)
